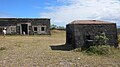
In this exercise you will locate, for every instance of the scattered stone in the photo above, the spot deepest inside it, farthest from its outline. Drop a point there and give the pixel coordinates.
(78, 58)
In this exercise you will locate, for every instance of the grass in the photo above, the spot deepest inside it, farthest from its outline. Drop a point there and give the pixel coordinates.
(35, 51)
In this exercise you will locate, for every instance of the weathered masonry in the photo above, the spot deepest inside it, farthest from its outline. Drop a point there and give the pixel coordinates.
(26, 25)
(82, 33)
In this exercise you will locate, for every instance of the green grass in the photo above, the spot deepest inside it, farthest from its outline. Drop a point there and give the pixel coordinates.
(35, 51)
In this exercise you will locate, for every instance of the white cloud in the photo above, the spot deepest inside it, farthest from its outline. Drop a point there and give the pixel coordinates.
(84, 9)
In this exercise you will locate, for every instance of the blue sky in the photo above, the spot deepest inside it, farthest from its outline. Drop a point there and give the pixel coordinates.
(24, 8)
(62, 12)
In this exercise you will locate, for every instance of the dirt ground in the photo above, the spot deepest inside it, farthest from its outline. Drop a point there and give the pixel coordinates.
(46, 51)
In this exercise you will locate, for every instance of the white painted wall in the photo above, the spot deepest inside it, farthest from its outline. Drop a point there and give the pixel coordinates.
(11, 29)
(39, 31)
(42, 32)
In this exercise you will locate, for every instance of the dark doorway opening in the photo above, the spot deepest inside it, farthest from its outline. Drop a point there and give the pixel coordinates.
(42, 28)
(88, 37)
(24, 28)
(35, 28)
(88, 41)
(1, 30)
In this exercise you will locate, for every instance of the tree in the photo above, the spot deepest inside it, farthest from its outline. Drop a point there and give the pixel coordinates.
(53, 26)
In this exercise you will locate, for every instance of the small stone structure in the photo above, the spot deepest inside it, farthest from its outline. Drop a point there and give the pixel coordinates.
(25, 25)
(82, 33)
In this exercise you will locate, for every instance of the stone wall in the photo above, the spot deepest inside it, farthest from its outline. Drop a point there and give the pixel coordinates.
(70, 35)
(79, 34)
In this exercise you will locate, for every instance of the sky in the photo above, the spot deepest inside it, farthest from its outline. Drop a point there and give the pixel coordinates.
(62, 12)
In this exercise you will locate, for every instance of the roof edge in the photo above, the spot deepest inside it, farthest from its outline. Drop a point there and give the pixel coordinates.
(23, 18)
(91, 22)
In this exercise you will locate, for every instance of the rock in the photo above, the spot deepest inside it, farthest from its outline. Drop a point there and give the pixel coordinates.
(78, 58)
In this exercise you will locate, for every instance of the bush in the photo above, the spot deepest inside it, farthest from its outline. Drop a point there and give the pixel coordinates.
(119, 39)
(77, 50)
(99, 50)
(3, 48)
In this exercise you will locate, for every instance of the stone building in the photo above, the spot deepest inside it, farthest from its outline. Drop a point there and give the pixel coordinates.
(82, 33)
(25, 25)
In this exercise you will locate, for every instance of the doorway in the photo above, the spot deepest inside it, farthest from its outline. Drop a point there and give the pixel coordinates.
(88, 41)
(24, 28)
(1, 30)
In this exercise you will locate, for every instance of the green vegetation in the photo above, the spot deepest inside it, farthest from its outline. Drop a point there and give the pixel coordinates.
(100, 50)
(102, 39)
(99, 47)
(119, 39)
(103, 50)
(53, 26)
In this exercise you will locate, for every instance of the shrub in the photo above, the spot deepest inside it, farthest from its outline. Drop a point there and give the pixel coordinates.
(77, 50)
(2, 48)
(99, 50)
(101, 39)
(99, 46)
(119, 39)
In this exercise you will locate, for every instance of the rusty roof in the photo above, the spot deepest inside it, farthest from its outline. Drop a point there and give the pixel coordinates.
(90, 22)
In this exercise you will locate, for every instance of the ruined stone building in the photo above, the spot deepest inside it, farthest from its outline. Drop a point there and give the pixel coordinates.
(25, 25)
(82, 33)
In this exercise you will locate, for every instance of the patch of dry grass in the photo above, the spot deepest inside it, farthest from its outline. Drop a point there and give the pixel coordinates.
(35, 51)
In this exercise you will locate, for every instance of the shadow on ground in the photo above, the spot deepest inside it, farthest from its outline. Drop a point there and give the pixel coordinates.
(62, 47)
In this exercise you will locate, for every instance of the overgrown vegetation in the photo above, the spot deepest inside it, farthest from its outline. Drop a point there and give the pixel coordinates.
(119, 39)
(99, 47)
(100, 50)
(101, 39)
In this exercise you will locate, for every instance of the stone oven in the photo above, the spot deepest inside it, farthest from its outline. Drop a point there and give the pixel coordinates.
(82, 33)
